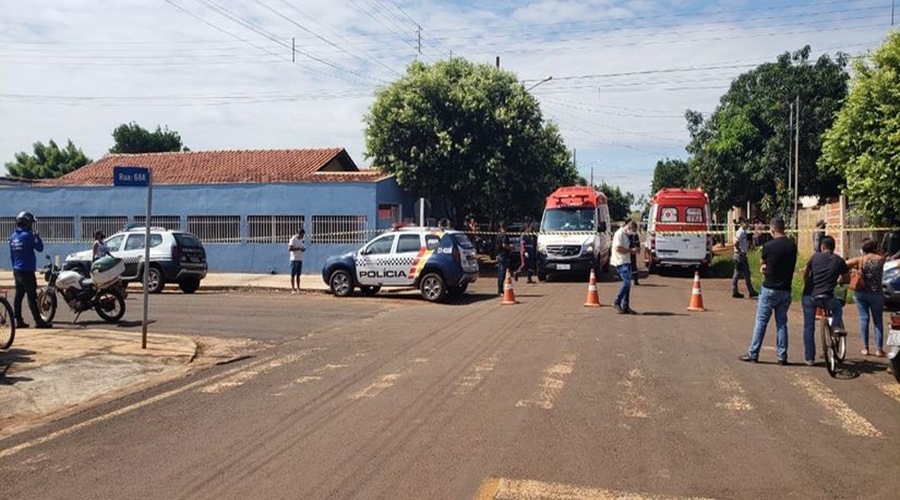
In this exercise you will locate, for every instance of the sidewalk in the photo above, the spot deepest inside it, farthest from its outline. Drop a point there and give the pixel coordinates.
(215, 281)
(50, 373)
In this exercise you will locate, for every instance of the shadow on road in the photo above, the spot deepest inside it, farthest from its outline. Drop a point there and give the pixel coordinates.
(8, 359)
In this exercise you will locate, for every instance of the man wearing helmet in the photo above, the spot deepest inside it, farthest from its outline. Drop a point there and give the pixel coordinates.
(23, 243)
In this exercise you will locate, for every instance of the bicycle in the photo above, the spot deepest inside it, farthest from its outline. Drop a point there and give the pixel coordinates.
(7, 322)
(834, 340)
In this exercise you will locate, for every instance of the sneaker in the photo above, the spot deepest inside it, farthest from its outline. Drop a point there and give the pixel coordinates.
(737, 295)
(810, 362)
(747, 358)
(617, 307)
(22, 324)
(516, 275)
(754, 295)
(783, 361)
(631, 311)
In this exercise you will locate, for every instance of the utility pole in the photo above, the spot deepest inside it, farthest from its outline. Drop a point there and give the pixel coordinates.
(790, 172)
(419, 37)
(293, 49)
(892, 13)
(797, 162)
(498, 62)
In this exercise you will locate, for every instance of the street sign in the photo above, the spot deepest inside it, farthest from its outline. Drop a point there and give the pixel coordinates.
(139, 177)
(131, 176)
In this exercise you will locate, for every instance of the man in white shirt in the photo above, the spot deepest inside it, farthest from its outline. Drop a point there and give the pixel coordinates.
(296, 247)
(621, 259)
(741, 265)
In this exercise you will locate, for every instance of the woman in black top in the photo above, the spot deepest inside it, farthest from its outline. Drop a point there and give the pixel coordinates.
(870, 300)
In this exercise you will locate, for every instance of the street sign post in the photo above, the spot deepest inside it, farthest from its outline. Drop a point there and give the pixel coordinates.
(139, 177)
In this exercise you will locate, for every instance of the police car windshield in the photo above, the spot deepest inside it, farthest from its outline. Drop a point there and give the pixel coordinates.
(569, 219)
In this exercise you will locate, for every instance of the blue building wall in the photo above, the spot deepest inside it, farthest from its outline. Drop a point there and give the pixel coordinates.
(308, 199)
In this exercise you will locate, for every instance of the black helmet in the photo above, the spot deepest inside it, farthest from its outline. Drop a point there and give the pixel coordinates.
(25, 219)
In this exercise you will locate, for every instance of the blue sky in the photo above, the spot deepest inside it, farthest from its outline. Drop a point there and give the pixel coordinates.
(223, 75)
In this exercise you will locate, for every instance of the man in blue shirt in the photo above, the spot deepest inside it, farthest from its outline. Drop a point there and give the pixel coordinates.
(23, 243)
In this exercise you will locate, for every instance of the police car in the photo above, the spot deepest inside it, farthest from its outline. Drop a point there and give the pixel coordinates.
(438, 262)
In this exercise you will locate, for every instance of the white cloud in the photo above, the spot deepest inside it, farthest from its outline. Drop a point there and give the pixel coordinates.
(78, 68)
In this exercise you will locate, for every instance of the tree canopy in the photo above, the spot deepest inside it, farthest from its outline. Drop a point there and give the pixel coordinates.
(669, 174)
(741, 152)
(468, 136)
(619, 203)
(132, 138)
(864, 144)
(48, 161)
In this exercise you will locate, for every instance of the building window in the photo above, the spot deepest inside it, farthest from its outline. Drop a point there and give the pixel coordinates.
(56, 229)
(338, 229)
(215, 228)
(389, 213)
(272, 228)
(170, 222)
(109, 226)
(7, 226)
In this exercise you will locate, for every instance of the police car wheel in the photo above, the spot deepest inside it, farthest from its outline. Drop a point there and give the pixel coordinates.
(340, 283)
(432, 287)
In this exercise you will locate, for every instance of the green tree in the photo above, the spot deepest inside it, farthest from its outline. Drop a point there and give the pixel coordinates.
(864, 144)
(468, 136)
(619, 203)
(669, 174)
(132, 138)
(48, 161)
(741, 151)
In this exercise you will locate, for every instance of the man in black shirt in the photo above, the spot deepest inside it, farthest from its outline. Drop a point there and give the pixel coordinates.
(502, 246)
(819, 278)
(778, 259)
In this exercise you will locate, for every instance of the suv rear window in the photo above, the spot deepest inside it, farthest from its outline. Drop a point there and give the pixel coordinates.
(187, 240)
(462, 240)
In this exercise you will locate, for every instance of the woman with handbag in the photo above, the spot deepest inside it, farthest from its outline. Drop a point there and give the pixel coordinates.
(865, 281)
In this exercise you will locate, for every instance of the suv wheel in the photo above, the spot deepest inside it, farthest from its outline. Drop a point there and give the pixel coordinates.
(432, 287)
(189, 285)
(341, 283)
(155, 280)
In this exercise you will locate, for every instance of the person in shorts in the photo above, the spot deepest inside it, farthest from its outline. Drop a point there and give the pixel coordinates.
(296, 248)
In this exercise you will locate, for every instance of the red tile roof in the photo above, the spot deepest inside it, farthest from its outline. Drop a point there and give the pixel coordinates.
(227, 167)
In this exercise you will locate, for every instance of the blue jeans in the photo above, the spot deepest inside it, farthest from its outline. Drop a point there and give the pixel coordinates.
(866, 302)
(623, 298)
(809, 322)
(502, 264)
(777, 301)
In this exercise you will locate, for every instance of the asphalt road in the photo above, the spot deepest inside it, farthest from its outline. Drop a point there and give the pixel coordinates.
(391, 397)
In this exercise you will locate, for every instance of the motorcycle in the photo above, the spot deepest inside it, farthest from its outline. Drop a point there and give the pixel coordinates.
(104, 292)
(893, 345)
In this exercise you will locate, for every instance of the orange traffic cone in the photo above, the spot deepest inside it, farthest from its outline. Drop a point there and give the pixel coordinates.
(509, 297)
(593, 296)
(696, 295)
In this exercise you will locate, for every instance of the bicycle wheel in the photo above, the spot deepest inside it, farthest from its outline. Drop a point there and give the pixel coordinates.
(840, 346)
(7, 325)
(826, 334)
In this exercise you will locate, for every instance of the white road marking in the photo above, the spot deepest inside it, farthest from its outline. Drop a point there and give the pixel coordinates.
(121, 411)
(243, 377)
(475, 375)
(519, 489)
(735, 396)
(377, 387)
(890, 389)
(633, 403)
(551, 384)
(853, 423)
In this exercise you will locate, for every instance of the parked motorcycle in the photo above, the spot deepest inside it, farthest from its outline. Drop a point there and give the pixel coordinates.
(104, 291)
(893, 345)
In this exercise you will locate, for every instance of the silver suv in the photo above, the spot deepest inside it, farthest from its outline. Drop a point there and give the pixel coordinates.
(175, 257)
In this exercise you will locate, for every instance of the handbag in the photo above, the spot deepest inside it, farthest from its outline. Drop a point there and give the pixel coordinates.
(857, 281)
